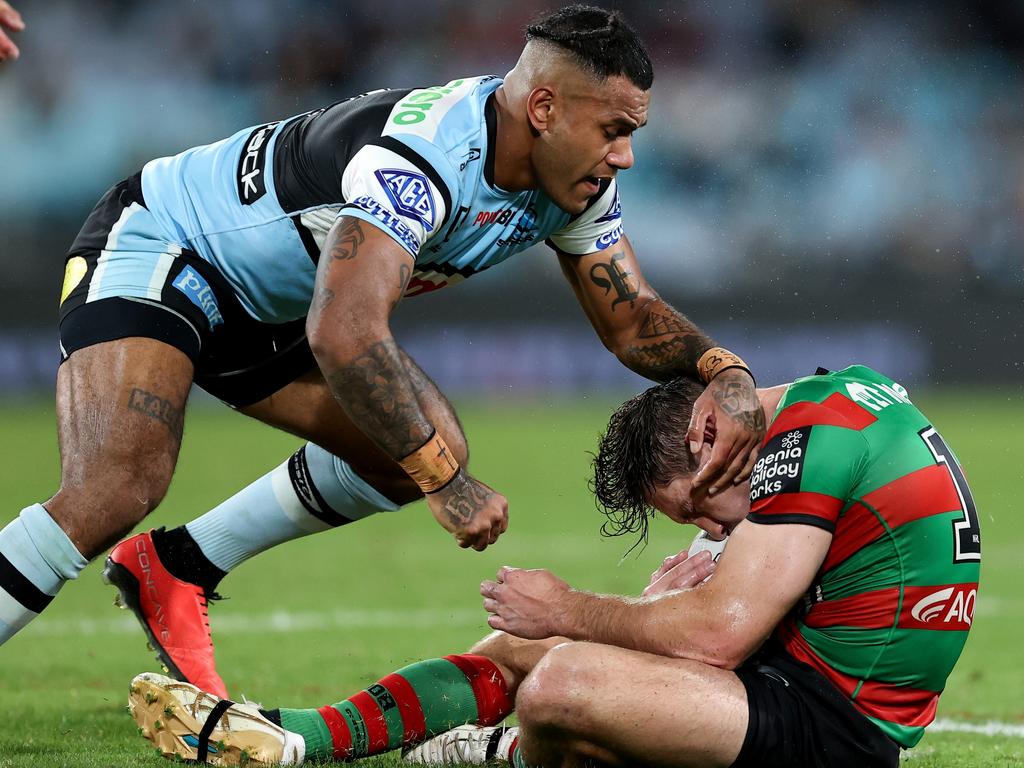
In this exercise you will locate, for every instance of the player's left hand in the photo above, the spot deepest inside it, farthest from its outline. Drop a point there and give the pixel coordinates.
(524, 603)
(732, 411)
(681, 571)
(10, 19)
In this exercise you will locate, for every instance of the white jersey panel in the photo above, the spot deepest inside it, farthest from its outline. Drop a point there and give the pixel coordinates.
(388, 191)
(599, 227)
(421, 112)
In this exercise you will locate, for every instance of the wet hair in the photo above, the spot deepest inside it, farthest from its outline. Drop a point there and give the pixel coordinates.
(644, 447)
(600, 41)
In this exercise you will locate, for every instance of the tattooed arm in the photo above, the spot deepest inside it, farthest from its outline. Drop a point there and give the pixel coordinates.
(655, 340)
(361, 277)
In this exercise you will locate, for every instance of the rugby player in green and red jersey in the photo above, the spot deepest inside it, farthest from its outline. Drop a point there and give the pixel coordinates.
(824, 638)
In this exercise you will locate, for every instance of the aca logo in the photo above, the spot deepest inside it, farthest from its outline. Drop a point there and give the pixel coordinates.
(409, 192)
(948, 608)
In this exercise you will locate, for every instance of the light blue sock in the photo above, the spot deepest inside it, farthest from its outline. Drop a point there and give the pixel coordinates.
(313, 491)
(36, 558)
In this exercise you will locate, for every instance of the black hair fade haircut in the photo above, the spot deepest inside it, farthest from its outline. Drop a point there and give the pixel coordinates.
(644, 447)
(600, 41)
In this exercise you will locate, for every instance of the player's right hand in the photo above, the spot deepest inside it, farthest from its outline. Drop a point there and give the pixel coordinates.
(9, 19)
(475, 513)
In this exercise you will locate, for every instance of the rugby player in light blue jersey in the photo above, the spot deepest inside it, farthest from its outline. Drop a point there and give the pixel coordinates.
(264, 268)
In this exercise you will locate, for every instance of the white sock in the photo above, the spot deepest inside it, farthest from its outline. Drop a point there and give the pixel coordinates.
(313, 491)
(36, 558)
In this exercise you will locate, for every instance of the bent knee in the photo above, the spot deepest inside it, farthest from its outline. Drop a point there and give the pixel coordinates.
(126, 493)
(556, 692)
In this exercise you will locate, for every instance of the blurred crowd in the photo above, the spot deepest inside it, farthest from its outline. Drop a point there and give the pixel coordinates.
(787, 139)
(780, 130)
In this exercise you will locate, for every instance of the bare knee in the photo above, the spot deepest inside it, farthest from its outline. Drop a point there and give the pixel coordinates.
(99, 507)
(555, 694)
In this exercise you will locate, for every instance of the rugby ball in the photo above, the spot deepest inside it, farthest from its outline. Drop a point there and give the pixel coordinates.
(704, 543)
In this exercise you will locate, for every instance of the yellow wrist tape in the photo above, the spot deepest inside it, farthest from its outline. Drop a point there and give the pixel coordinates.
(431, 465)
(716, 360)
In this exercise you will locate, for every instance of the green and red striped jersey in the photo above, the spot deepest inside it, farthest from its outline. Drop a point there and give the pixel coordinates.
(890, 608)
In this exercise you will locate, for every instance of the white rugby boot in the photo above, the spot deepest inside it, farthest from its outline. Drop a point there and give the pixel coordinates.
(184, 722)
(473, 744)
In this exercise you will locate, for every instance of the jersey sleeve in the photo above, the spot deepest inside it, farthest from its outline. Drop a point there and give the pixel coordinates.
(397, 190)
(809, 465)
(598, 227)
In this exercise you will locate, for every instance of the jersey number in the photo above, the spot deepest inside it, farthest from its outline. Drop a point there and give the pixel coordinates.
(966, 532)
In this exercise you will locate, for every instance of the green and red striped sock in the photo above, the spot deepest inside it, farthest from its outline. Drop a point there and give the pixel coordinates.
(408, 706)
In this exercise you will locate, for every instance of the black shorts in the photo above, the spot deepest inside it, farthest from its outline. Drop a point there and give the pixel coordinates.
(123, 279)
(798, 719)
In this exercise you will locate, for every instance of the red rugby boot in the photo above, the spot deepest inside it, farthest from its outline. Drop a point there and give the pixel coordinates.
(172, 612)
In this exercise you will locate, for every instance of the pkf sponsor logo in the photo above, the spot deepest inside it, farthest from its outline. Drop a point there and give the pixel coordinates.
(947, 608)
(409, 193)
(781, 464)
(251, 184)
(201, 294)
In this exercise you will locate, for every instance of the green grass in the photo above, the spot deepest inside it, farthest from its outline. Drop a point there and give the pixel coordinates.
(63, 688)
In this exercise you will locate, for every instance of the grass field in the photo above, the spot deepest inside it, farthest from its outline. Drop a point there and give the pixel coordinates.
(317, 619)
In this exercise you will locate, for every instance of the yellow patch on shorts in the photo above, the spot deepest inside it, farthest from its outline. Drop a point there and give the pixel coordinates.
(73, 274)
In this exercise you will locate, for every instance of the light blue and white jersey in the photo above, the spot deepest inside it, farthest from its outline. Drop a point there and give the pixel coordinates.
(417, 164)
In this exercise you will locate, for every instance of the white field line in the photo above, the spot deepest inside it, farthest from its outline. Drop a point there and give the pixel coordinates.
(389, 618)
(292, 621)
(991, 728)
(277, 621)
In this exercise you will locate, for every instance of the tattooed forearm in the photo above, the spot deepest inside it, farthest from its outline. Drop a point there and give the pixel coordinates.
(612, 277)
(375, 391)
(157, 408)
(463, 499)
(666, 344)
(663, 324)
(346, 239)
(404, 276)
(733, 392)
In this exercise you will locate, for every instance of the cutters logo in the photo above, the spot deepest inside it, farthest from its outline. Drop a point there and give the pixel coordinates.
(389, 220)
(149, 584)
(780, 465)
(951, 608)
(251, 186)
(409, 192)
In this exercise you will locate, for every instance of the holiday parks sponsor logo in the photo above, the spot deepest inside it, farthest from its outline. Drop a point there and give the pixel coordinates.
(780, 465)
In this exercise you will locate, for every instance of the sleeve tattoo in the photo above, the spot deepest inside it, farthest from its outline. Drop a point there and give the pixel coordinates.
(375, 391)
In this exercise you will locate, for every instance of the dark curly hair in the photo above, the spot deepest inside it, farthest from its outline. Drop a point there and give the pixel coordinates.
(643, 447)
(600, 41)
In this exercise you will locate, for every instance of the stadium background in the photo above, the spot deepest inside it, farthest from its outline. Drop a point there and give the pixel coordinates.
(821, 182)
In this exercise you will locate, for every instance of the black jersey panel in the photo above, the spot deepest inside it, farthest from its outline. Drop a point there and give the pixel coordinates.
(312, 150)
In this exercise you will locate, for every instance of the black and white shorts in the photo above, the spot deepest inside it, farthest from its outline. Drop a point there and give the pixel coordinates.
(123, 279)
(798, 719)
